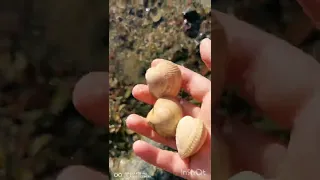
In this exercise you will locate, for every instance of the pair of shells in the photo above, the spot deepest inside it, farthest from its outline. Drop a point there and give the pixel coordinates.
(166, 117)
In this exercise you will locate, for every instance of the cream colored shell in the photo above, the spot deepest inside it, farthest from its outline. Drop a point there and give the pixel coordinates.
(164, 116)
(164, 79)
(191, 134)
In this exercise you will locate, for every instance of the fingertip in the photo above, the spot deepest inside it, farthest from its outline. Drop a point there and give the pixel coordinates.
(90, 97)
(141, 93)
(139, 147)
(205, 42)
(205, 52)
(130, 121)
(137, 144)
(137, 89)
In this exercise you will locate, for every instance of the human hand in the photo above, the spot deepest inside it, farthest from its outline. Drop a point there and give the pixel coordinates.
(276, 78)
(199, 88)
(282, 82)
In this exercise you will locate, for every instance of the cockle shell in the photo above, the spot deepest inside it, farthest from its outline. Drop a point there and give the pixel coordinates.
(191, 134)
(164, 79)
(164, 116)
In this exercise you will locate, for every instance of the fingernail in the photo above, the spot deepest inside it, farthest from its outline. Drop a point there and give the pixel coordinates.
(129, 117)
(205, 40)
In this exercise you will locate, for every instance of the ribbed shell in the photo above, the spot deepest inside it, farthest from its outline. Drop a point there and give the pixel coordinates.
(164, 116)
(190, 136)
(164, 79)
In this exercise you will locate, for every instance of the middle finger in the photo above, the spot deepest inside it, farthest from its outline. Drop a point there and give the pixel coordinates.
(141, 92)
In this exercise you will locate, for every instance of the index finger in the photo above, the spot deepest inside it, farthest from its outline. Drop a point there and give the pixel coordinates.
(193, 83)
(205, 52)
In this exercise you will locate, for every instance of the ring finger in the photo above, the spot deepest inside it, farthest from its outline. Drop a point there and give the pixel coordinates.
(141, 93)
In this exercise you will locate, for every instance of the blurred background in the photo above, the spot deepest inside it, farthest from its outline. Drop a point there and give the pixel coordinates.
(47, 45)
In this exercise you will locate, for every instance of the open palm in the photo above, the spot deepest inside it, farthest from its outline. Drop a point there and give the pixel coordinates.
(199, 87)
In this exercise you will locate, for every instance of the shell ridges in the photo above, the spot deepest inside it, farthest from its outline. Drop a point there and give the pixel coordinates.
(164, 116)
(164, 79)
(191, 134)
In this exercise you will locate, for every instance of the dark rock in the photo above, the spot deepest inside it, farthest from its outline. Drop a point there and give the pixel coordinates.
(156, 24)
(191, 16)
(192, 23)
(139, 13)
